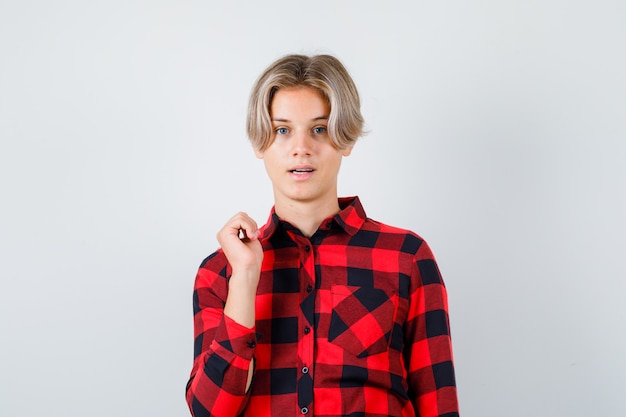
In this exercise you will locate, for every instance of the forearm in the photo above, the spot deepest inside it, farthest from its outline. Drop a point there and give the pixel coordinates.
(240, 306)
(240, 303)
(433, 386)
(430, 374)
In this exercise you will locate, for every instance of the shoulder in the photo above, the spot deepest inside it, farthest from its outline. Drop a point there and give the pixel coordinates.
(411, 251)
(213, 268)
(217, 258)
(395, 238)
(211, 283)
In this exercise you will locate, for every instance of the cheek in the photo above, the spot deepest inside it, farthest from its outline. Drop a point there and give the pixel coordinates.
(271, 164)
(268, 164)
(338, 160)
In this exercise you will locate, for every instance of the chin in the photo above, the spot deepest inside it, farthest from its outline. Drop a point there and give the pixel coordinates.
(302, 197)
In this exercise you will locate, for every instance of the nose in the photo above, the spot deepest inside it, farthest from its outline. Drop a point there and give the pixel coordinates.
(302, 144)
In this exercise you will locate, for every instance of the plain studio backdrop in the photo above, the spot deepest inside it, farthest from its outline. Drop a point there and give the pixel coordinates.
(497, 132)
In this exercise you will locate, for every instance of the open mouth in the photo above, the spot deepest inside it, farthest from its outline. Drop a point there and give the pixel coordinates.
(301, 171)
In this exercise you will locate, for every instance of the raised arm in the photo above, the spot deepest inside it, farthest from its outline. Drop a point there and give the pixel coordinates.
(224, 319)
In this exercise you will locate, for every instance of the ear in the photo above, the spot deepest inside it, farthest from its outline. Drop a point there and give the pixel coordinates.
(259, 154)
(347, 151)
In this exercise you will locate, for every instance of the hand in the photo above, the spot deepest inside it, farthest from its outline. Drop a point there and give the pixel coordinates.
(239, 240)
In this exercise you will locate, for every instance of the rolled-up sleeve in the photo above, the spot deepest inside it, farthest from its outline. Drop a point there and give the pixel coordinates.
(223, 349)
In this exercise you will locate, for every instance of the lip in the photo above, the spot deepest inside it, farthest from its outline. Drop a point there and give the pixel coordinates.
(301, 172)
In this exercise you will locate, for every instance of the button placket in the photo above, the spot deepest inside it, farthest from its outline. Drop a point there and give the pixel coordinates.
(306, 339)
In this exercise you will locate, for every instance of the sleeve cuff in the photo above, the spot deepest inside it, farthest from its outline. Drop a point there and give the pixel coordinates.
(236, 338)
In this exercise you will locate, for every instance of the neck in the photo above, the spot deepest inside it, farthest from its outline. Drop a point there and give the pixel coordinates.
(307, 216)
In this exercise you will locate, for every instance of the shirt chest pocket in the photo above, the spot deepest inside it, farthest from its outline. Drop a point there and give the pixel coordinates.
(362, 319)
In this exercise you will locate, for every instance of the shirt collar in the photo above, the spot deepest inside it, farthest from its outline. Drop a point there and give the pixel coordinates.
(350, 218)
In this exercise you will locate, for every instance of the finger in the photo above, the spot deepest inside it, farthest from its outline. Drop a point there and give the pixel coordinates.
(249, 232)
(248, 228)
(245, 235)
(243, 226)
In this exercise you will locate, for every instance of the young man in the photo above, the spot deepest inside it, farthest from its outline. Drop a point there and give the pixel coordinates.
(322, 311)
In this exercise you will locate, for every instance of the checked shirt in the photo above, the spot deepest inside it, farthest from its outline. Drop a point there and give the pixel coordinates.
(352, 321)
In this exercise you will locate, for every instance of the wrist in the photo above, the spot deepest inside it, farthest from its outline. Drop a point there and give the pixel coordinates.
(245, 277)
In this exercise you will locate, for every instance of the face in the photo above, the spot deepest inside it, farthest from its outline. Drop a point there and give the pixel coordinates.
(301, 161)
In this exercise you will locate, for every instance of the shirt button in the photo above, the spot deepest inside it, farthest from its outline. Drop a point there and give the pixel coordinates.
(307, 248)
(305, 370)
(304, 410)
(307, 330)
(309, 288)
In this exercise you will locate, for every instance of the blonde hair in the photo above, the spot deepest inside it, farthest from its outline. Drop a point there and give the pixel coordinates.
(323, 73)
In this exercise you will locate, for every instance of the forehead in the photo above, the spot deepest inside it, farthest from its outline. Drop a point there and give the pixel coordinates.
(299, 101)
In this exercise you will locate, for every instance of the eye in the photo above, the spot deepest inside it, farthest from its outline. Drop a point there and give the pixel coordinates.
(282, 131)
(320, 130)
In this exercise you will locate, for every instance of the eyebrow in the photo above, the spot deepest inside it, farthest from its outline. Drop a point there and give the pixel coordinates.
(288, 121)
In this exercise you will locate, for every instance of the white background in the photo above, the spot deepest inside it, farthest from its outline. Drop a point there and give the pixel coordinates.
(497, 132)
